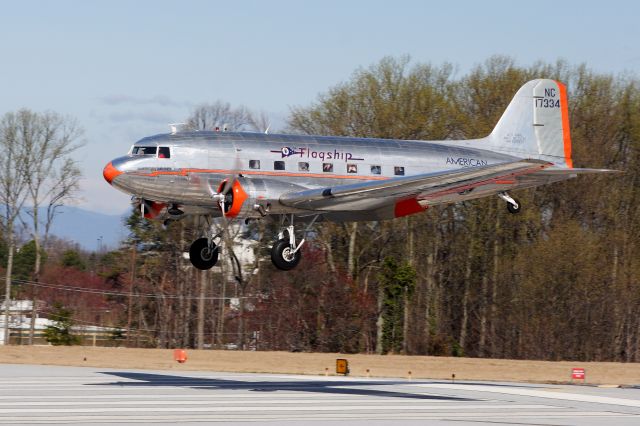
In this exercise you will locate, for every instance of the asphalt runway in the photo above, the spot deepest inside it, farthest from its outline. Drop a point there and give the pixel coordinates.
(32, 394)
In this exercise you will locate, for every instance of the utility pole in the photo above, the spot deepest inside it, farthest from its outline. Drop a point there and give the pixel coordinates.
(201, 296)
(7, 296)
(222, 299)
(130, 302)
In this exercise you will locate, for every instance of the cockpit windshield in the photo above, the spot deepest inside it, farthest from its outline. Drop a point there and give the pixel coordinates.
(144, 150)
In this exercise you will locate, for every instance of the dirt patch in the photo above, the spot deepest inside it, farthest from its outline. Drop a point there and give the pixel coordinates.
(421, 367)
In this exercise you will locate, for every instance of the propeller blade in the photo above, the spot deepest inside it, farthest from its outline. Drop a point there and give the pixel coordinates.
(231, 179)
(228, 186)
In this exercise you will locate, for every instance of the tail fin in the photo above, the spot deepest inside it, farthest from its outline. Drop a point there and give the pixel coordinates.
(536, 124)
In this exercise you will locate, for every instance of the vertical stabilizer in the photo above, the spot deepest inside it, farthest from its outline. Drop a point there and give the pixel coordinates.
(536, 124)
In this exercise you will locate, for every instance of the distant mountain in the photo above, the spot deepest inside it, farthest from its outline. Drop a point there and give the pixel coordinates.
(87, 228)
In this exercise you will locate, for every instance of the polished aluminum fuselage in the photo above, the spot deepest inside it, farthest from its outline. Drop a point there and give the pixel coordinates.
(200, 161)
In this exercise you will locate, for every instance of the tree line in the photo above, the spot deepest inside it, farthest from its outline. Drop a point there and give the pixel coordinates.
(557, 281)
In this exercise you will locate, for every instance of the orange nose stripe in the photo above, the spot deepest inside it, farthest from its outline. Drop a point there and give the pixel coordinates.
(110, 172)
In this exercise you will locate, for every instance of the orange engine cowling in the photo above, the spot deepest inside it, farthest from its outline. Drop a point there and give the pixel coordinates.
(234, 199)
(152, 209)
(255, 197)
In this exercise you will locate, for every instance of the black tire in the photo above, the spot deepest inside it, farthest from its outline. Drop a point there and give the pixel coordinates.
(201, 256)
(281, 255)
(513, 209)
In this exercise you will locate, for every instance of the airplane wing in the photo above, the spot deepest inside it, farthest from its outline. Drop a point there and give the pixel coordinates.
(428, 186)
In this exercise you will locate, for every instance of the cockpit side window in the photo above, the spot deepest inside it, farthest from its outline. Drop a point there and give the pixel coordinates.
(144, 150)
(163, 152)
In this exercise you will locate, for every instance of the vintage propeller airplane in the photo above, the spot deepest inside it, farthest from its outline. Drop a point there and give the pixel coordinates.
(309, 178)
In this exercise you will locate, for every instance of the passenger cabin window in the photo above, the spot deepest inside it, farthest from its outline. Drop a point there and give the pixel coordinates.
(303, 166)
(398, 171)
(144, 150)
(376, 170)
(327, 167)
(163, 152)
(352, 168)
(278, 165)
(254, 164)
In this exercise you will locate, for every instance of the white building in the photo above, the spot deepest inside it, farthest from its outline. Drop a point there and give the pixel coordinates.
(20, 325)
(19, 316)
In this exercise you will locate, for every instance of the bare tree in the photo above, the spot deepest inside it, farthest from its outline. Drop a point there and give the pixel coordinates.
(52, 177)
(222, 116)
(219, 115)
(12, 189)
(36, 168)
(260, 121)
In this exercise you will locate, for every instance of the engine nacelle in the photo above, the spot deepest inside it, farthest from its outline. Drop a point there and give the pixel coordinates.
(254, 197)
(151, 209)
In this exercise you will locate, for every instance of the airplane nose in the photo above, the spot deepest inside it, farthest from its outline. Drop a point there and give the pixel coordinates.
(110, 172)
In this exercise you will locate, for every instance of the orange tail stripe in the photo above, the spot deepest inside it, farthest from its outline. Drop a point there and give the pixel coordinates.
(566, 131)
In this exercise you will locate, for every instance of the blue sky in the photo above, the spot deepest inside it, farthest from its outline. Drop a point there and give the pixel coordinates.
(126, 69)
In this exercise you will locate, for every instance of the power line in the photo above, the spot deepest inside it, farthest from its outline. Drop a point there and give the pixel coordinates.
(120, 293)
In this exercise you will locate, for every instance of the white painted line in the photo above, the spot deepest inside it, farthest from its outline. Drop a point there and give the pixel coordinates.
(99, 388)
(203, 395)
(306, 416)
(535, 393)
(244, 408)
(345, 379)
(427, 405)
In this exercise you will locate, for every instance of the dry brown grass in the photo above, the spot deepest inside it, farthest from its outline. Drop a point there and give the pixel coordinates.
(315, 363)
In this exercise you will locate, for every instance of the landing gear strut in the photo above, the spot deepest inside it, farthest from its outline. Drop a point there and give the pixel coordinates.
(513, 205)
(285, 253)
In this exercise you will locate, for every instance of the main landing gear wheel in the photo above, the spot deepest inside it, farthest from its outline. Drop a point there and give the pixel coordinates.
(282, 255)
(203, 256)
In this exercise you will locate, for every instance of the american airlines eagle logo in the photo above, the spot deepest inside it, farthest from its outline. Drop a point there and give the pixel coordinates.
(287, 151)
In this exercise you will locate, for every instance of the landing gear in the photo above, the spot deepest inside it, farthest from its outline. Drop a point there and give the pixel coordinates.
(514, 208)
(203, 253)
(513, 205)
(285, 253)
(283, 256)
